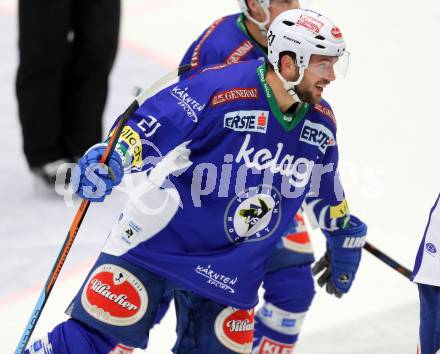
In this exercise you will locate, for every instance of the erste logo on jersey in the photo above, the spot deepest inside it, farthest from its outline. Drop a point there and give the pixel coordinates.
(115, 296)
(318, 135)
(247, 121)
(235, 329)
(270, 346)
(235, 94)
(253, 215)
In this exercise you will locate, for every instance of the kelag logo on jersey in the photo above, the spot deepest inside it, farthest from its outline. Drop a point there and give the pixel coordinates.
(247, 121)
(297, 167)
(253, 215)
(317, 135)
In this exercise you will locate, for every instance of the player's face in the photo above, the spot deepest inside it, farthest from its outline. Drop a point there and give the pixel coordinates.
(278, 6)
(317, 76)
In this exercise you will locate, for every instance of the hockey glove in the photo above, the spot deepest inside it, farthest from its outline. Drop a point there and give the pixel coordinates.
(93, 180)
(341, 261)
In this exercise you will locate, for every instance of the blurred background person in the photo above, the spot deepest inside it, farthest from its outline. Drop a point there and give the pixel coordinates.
(66, 51)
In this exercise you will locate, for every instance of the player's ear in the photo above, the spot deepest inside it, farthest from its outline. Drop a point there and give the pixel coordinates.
(288, 67)
(288, 64)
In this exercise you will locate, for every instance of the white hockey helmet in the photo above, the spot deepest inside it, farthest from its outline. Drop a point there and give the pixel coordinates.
(265, 6)
(305, 32)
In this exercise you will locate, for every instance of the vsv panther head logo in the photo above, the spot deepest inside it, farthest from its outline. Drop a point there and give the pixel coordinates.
(253, 214)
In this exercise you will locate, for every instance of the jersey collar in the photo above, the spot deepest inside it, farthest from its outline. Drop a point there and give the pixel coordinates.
(288, 121)
(242, 27)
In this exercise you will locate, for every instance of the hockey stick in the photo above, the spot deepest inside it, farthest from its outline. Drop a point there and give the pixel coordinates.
(387, 260)
(82, 210)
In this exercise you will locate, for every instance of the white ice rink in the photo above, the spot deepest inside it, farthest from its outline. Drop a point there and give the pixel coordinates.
(388, 129)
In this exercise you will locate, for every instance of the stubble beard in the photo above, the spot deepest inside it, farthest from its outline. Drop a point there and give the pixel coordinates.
(307, 95)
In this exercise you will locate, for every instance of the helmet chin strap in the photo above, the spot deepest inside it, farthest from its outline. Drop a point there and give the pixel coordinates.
(289, 86)
(261, 25)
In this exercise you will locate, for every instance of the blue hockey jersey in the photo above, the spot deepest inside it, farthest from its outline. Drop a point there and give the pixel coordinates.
(228, 41)
(226, 170)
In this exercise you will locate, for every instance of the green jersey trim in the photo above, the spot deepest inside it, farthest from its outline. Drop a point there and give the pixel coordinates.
(288, 121)
(242, 27)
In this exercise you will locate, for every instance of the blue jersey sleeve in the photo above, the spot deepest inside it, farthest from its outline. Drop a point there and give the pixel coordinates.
(202, 52)
(171, 117)
(325, 204)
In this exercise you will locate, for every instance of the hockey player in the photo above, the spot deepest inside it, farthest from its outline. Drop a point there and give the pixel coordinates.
(427, 275)
(238, 37)
(288, 283)
(243, 146)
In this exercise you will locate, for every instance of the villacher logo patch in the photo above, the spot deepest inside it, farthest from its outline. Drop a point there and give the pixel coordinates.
(234, 328)
(114, 296)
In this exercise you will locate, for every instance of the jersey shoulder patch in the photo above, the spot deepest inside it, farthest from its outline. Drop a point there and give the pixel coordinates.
(234, 82)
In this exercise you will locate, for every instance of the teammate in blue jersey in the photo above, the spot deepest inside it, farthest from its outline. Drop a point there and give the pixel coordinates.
(288, 283)
(427, 275)
(224, 174)
(237, 37)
